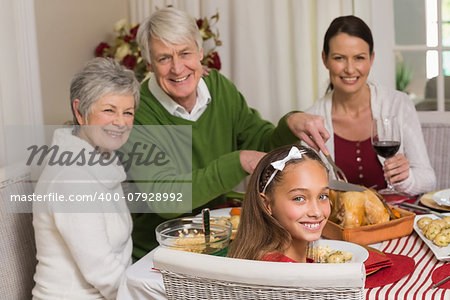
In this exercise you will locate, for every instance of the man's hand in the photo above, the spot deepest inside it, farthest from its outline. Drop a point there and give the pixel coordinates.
(310, 129)
(249, 159)
(396, 168)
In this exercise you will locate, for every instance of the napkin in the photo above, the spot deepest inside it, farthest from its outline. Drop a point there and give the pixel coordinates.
(401, 266)
(441, 273)
(376, 261)
(397, 198)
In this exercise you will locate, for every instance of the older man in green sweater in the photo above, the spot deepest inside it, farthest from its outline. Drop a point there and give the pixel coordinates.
(228, 137)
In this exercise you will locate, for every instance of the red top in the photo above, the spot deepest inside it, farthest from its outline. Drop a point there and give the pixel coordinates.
(278, 257)
(359, 162)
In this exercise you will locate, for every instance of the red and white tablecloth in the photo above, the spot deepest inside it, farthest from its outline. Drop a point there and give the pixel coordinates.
(416, 285)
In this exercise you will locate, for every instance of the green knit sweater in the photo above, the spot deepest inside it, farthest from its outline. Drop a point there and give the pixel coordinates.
(227, 126)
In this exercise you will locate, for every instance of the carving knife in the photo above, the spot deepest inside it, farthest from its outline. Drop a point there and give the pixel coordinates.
(422, 209)
(338, 185)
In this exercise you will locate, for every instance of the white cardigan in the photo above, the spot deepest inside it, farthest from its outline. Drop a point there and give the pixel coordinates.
(80, 255)
(386, 102)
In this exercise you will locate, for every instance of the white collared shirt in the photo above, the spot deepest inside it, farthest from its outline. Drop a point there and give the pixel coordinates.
(175, 109)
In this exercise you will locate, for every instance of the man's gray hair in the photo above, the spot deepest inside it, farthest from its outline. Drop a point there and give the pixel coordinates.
(171, 26)
(100, 77)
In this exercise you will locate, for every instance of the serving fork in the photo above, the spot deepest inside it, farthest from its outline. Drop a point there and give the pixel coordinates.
(336, 170)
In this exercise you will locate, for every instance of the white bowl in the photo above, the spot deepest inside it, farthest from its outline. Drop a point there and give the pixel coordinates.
(187, 234)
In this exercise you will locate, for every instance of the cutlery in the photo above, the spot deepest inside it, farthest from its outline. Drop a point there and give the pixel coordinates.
(337, 171)
(404, 194)
(344, 186)
(422, 209)
(441, 282)
(392, 216)
(207, 229)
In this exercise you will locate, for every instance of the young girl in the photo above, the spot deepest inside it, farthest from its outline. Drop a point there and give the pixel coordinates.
(286, 206)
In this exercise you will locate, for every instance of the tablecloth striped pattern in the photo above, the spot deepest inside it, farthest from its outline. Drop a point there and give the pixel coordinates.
(418, 284)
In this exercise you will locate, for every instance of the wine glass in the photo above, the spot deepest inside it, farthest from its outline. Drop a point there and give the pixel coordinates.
(386, 142)
(312, 251)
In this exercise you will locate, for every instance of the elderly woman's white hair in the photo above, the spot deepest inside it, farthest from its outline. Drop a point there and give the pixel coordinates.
(100, 77)
(171, 26)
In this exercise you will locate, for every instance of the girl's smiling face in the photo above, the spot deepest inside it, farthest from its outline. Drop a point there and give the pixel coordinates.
(300, 200)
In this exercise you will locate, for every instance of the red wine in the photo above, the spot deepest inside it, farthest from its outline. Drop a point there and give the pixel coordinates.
(386, 148)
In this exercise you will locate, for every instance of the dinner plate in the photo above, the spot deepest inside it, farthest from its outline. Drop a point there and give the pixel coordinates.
(427, 200)
(360, 254)
(221, 212)
(441, 253)
(442, 197)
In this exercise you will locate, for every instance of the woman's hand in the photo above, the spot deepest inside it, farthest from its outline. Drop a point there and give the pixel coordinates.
(396, 168)
(310, 129)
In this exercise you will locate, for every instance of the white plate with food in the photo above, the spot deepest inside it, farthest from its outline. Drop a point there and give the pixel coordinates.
(442, 197)
(359, 253)
(441, 253)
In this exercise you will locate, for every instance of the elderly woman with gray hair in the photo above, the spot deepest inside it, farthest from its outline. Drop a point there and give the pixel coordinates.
(84, 246)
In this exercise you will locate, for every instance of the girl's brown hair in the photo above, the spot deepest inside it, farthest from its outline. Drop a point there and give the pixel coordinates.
(259, 233)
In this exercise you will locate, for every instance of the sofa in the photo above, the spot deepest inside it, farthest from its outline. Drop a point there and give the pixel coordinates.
(17, 247)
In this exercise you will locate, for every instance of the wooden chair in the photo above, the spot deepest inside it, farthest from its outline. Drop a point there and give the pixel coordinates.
(190, 276)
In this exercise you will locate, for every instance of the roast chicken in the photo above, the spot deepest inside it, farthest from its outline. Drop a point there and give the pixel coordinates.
(356, 209)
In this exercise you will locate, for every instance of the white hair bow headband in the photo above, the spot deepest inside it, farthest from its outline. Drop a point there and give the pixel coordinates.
(279, 165)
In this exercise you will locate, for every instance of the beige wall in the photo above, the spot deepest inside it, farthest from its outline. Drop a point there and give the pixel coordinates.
(67, 33)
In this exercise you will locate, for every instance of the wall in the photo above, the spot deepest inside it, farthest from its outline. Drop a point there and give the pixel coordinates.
(67, 33)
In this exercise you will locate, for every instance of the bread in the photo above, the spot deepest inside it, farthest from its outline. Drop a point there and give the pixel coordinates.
(356, 209)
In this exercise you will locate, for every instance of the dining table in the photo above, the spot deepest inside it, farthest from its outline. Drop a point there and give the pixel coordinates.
(142, 281)
(418, 284)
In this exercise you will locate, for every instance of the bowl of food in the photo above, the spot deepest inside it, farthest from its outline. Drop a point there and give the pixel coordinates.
(186, 234)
